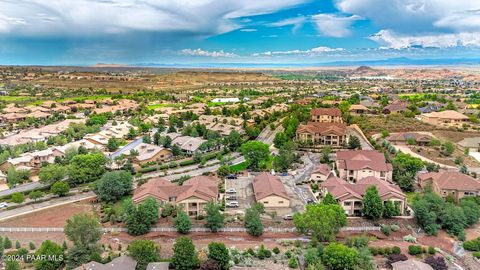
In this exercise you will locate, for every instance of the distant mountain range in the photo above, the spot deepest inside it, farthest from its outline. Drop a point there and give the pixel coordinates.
(402, 61)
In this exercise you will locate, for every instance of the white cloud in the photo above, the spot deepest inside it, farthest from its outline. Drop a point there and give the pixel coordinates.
(310, 52)
(97, 17)
(417, 16)
(248, 30)
(333, 25)
(297, 22)
(390, 39)
(200, 52)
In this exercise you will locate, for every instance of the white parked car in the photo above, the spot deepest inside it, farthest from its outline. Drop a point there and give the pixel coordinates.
(3, 205)
(231, 190)
(233, 204)
(288, 217)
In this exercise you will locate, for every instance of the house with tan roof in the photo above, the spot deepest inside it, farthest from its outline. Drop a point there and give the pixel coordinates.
(404, 138)
(395, 107)
(188, 144)
(151, 153)
(353, 165)
(270, 191)
(446, 118)
(322, 133)
(326, 115)
(446, 183)
(193, 195)
(358, 109)
(350, 196)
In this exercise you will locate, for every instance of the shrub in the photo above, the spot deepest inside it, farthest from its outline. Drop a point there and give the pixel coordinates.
(396, 250)
(415, 250)
(431, 250)
(393, 258)
(18, 197)
(472, 245)
(386, 230)
(476, 254)
(394, 227)
(263, 253)
(410, 238)
(358, 241)
(437, 263)
(276, 250)
(292, 263)
(373, 250)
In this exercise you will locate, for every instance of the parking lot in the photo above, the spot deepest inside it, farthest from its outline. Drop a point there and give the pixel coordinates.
(245, 197)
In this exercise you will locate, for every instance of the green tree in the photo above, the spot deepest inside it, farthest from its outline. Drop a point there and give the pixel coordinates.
(18, 197)
(448, 148)
(329, 199)
(86, 168)
(390, 209)
(83, 230)
(35, 195)
(12, 265)
(215, 219)
(144, 252)
(425, 216)
(354, 142)
(113, 186)
(140, 218)
(253, 223)
(60, 188)
(184, 255)
(323, 221)
(372, 204)
(453, 219)
(471, 211)
(219, 253)
(285, 157)
(405, 167)
(112, 144)
(50, 254)
(7, 243)
(256, 154)
(233, 140)
(182, 221)
(339, 257)
(52, 173)
(280, 139)
(15, 176)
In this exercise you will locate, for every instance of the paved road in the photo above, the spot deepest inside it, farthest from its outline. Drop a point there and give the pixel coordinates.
(6, 214)
(265, 136)
(21, 188)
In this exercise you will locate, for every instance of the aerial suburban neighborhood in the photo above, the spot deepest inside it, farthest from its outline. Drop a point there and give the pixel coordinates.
(240, 135)
(272, 170)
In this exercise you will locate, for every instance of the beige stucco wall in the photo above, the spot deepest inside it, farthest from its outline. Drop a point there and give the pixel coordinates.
(275, 201)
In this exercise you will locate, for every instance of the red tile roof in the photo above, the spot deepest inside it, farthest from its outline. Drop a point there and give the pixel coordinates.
(265, 185)
(363, 159)
(203, 187)
(341, 189)
(451, 180)
(327, 111)
(323, 128)
(323, 169)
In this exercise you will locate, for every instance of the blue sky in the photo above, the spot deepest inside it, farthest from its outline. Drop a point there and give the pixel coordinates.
(85, 32)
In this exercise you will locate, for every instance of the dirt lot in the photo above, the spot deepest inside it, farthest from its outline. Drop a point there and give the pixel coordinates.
(51, 217)
(454, 136)
(434, 154)
(393, 123)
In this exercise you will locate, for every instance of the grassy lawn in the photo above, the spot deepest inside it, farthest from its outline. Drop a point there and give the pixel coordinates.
(163, 105)
(15, 98)
(214, 104)
(239, 167)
